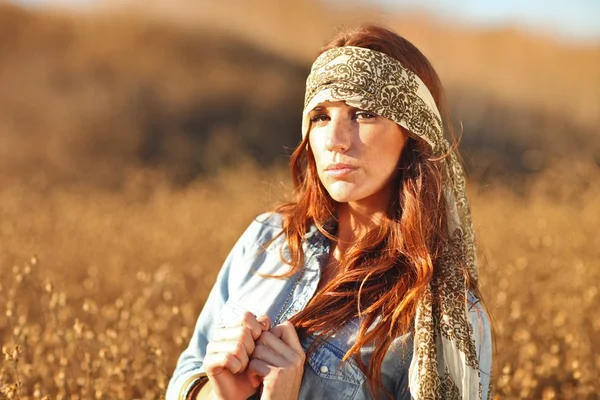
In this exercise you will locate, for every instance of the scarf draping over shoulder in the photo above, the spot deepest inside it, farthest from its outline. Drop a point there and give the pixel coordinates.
(444, 363)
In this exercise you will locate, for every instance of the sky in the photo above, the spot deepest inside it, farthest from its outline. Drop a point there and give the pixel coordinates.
(571, 20)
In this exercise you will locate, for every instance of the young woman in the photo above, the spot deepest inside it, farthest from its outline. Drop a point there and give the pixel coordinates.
(366, 286)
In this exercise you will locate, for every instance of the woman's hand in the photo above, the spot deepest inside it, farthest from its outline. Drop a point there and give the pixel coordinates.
(278, 359)
(228, 355)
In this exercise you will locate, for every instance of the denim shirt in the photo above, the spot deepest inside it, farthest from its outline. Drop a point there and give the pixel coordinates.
(240, 287)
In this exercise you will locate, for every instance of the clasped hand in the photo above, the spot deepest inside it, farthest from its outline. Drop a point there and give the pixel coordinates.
(251, 352)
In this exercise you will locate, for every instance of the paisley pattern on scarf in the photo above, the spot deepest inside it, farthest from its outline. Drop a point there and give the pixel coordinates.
(444, 364)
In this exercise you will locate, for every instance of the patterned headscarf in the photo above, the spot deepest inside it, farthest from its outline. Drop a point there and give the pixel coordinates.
(444, 363)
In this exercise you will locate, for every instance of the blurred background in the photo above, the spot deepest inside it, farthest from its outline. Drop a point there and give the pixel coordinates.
(138, 140)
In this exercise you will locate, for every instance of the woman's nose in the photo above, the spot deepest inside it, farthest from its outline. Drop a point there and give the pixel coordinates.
(338, 135)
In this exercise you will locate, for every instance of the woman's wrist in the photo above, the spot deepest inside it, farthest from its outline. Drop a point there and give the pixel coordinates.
(205, 392)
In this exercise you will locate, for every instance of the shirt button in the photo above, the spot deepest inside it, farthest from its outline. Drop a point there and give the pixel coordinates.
(324, 369)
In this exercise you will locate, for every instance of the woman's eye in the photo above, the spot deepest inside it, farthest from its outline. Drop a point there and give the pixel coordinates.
(365, 115)
(319, 118)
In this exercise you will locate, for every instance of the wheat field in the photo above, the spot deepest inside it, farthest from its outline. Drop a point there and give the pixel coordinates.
(110, 293)
(119, 201)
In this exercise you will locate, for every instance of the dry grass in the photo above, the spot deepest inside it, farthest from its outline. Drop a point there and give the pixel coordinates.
(116, 280)
(541, 279)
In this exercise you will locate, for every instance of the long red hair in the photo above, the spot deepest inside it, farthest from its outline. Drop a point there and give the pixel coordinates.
(386, 271)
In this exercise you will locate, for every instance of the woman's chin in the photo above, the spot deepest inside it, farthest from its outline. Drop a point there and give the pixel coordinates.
(343, 197)
(365, 196)
(346, 192)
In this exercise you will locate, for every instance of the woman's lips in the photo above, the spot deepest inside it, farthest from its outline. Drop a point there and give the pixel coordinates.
(340, 170)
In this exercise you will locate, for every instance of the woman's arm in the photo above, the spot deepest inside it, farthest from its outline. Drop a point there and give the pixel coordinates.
(191, 361)
(483, 344)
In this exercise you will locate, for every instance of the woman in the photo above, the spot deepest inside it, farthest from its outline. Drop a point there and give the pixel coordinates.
(366, 286)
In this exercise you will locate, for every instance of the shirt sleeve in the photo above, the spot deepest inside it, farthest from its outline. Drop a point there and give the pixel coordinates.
(483, 344)
(190, 362)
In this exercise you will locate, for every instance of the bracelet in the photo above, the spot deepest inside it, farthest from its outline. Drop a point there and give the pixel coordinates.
(197, 382)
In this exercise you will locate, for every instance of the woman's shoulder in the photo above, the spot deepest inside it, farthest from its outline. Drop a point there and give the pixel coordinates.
(264, 228)
(478, 316)
(267, 223)
(477, 310)
(270, 219)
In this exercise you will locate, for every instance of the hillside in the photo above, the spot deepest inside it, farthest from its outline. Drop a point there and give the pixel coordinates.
(187, 90)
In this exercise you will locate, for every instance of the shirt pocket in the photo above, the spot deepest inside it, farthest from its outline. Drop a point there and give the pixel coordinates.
(327, 377)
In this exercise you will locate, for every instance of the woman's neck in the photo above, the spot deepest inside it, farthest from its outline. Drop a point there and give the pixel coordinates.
(354, 221)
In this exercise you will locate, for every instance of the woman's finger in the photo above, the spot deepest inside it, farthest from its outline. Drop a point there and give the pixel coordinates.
(236, 349)
(286, 332)
(249, 320)
(258, 369)
(253, 377)
(264, 321)
(270, 356)
(215, 363)
(275, 345)
(236, 334)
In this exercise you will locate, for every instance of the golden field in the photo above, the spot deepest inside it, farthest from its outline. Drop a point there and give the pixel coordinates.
(136, 147)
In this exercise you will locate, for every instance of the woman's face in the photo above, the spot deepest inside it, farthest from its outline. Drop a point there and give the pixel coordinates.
(356, 152)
